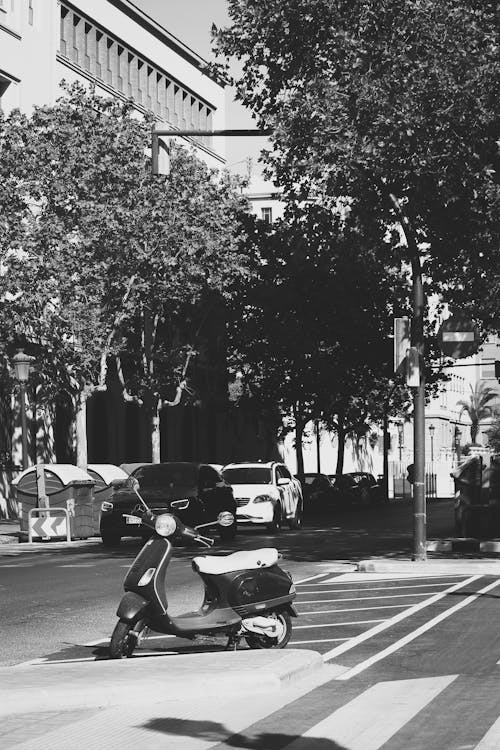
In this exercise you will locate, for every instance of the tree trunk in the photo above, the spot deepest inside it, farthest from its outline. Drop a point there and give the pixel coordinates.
(341, 445)
(155, 432)
(299, 429)
(81, 430)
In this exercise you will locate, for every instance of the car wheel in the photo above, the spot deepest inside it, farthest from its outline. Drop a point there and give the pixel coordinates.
(276, 524)
(296, 521)
(110, 538)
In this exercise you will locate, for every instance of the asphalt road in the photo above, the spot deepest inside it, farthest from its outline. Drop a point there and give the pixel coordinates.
(54, 603)
(420, 654)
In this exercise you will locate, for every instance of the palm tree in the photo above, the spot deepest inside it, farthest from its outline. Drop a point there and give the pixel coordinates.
(477, 407)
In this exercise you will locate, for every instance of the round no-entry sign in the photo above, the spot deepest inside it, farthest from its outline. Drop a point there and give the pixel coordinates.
(458, 337)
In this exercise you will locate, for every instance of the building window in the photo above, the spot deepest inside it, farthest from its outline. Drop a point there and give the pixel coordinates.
(267, 214)
(104, 58)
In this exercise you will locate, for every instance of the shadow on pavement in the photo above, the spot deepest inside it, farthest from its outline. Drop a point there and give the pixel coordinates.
(212, 731)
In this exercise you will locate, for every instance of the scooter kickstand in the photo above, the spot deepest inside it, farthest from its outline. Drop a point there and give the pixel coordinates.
(233, 642)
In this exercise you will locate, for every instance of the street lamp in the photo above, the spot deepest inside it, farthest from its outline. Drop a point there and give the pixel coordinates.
(431, 433)
(21, 363)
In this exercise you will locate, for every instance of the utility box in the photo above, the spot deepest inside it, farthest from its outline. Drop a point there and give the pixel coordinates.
(103, 475)
(55, 486)
(477, 497)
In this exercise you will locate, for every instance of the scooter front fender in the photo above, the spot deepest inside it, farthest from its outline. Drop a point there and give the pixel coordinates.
(131, 607)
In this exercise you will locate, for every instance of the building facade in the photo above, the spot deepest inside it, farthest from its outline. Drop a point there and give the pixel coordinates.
(117, 48)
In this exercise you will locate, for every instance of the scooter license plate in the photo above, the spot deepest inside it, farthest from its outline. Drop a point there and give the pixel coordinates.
(133, 520)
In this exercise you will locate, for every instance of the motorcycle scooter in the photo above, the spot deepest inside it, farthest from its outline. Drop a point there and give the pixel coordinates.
(247, 595)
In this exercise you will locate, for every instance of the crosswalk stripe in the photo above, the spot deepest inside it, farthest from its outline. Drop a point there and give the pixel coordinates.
(397, 618)
(377, 588)
(335, 624)
(416, 633)
(370, 720)
(491, 740)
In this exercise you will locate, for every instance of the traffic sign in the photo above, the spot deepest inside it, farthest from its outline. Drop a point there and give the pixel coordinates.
(458, 337)
(48, 527)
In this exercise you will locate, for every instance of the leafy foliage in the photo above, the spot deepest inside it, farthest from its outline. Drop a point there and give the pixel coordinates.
(399, 94)
(478, 407)
(103, 260)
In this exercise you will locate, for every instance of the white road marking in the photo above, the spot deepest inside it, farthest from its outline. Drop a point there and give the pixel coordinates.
(353, 577)
(416, 633)
(312, 578)
(77, 565)
(319, 640)
(397, 618)
(491, 740)
(352, 609)
(371, 719)
(335, 624)
(378, 588)
(363, 598)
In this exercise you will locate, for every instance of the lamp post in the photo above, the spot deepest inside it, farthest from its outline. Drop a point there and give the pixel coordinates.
(21, 363)
(431, 433)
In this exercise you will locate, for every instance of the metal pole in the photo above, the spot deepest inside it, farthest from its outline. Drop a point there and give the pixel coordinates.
(318, 459)
(24, 431)
(385, 451)
(417, 337)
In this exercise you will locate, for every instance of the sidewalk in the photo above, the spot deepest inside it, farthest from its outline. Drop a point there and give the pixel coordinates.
(191, 702)
(144, 702)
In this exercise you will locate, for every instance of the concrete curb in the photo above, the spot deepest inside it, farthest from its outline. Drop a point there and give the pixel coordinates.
(431, 567)
(142, 680)
(467, 545)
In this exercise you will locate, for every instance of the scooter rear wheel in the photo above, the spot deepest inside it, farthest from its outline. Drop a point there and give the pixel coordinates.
(263, 641)
(122, 643)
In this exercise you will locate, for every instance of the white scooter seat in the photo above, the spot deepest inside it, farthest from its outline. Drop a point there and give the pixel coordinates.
(251, 560)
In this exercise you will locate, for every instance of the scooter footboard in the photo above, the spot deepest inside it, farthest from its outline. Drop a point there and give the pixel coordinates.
(131, 607)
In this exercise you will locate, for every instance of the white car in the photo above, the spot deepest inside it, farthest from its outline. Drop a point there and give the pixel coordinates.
(265, 494)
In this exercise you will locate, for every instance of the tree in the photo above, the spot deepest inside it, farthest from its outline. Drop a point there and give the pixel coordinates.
(493, 434)
(392, 102)
(478, 407)
(109, 257)
(311, 332)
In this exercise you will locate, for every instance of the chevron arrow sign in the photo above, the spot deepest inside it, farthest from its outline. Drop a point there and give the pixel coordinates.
(46, 527)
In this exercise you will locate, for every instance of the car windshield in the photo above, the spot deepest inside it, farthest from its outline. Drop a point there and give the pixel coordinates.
(167, 475)
(248, 475)
(309, 478)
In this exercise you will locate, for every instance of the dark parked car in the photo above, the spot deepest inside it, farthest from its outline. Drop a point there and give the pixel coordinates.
(317, 491)
(356, 488)
(195, 492)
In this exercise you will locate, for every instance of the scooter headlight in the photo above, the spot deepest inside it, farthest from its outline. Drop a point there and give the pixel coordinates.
(225, 518)
(165, 525)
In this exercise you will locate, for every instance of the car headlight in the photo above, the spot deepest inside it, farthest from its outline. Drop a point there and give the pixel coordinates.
(165, 525)
(106, 506)
(263, 499)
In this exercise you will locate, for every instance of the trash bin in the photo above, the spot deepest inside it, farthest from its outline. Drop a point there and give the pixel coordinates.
(67, 487)
(473, 511)
(103, 475)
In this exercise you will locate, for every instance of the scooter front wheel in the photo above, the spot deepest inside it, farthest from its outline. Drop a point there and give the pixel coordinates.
(123, 641)
(284, 633)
